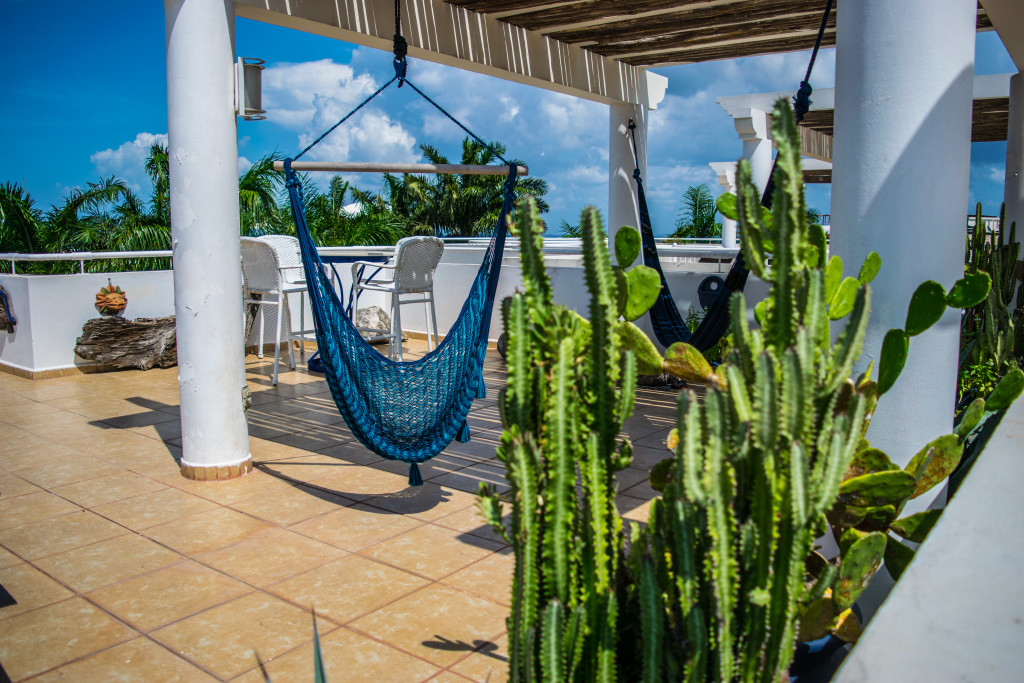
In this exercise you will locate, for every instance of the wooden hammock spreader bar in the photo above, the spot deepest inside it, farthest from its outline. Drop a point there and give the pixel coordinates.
(438, 169)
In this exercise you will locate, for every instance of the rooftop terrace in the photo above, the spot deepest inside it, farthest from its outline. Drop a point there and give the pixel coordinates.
(123, 569)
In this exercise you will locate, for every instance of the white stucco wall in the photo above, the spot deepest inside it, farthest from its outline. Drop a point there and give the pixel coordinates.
(51, 310)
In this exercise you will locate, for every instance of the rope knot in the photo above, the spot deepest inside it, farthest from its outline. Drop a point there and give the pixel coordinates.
(636, 174)
(401, 49)
(802, 101)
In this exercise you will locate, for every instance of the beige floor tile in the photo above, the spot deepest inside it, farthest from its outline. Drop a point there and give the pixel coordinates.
(452, 677)
(224, 640)
(490, 578)
(152, 600)
(359, 482)
(347, 588)
(273, 556)
(634, 509)
(31, 588)
(470, 478)
(431, 551)
(8, 559)
(349, 657)
(355, 527)
(151, 509)
(256, 483)
(95, 492)
(41, 452)
(489, 663)
(33, 507)
(101, 564)
(137, 661)
(50, 636)
(291, 505)
(12, 486)
(206, 531)
(427, 502)
(67, 472)
(58, 534)
(437, 623)
(469, 521)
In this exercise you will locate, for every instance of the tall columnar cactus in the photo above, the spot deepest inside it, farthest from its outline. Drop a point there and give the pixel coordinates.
(988, 336)
(759, 461)
(570, 388)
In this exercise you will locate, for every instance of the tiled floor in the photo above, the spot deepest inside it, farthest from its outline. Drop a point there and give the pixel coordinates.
(123, 570)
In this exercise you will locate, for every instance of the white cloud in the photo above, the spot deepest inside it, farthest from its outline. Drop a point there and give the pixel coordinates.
(587, 174)
(293, 94)
(128, 160)
(243, 165)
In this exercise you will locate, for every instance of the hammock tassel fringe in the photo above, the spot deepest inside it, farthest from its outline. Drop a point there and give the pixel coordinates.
(415, 478)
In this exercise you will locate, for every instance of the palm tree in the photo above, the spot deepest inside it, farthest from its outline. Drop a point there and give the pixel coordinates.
(19, 220)
(158, 169)
(330, 224)
(697, 218)
(258, 188)
(457, 205)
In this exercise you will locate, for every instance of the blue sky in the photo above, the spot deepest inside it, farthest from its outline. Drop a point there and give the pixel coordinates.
(84, 96)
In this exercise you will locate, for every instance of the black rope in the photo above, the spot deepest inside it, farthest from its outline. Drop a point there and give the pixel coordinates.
(802, 101)
(400, 47)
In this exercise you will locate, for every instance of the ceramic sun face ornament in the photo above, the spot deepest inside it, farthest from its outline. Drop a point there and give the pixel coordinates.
(111, 300)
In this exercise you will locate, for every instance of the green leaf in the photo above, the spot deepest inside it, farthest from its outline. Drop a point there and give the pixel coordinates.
(627, 245)
(859, 564)
(892, 359)
(1007, 391)
(644, 287)
(846, 296)
(868, 271)
(833, 276)
(915, 528)
(970, 290)
(726, 205)
(926, 307)
(934, 462)
(688, 364)
(897, 557)
(878, 488)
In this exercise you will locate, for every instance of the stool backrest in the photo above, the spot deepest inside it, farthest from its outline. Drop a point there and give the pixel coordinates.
(259, 266)
(415, 261)
(286, 250)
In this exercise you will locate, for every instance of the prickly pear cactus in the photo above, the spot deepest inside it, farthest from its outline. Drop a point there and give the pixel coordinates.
(570, 387)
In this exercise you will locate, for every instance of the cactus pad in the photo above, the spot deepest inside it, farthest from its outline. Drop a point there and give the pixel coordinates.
(971, 418)
(927, 305)
(897, 557)
(915, 528)
(879, 488)
(893, 357)
(688, 364)
(627, 246)
(846, 296)
(648, 360)
(868, 271)
(970, 290)
(860, 562)
(934, 462)
(1007, 391)
(867, 461)
(644, 287)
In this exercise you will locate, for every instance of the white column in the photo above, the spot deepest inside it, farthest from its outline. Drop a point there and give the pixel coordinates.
(623, 208)
(203, 154)
(1013, 192)
(752, 126)
(726, 173)
(900, 187)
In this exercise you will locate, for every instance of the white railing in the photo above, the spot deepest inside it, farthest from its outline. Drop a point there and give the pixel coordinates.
(82, 257)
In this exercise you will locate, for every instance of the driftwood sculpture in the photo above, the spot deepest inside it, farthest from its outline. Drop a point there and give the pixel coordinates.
(142, 343)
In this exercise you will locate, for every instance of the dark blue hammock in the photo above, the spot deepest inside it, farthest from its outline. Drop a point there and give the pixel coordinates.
(402, 411)
(669, 326)
(406, 411)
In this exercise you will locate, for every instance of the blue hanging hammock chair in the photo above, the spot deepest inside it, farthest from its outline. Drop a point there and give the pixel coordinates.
(669, 326)
(407, 411)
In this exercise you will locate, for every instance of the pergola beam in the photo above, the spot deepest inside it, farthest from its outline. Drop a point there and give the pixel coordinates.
(444, 33)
